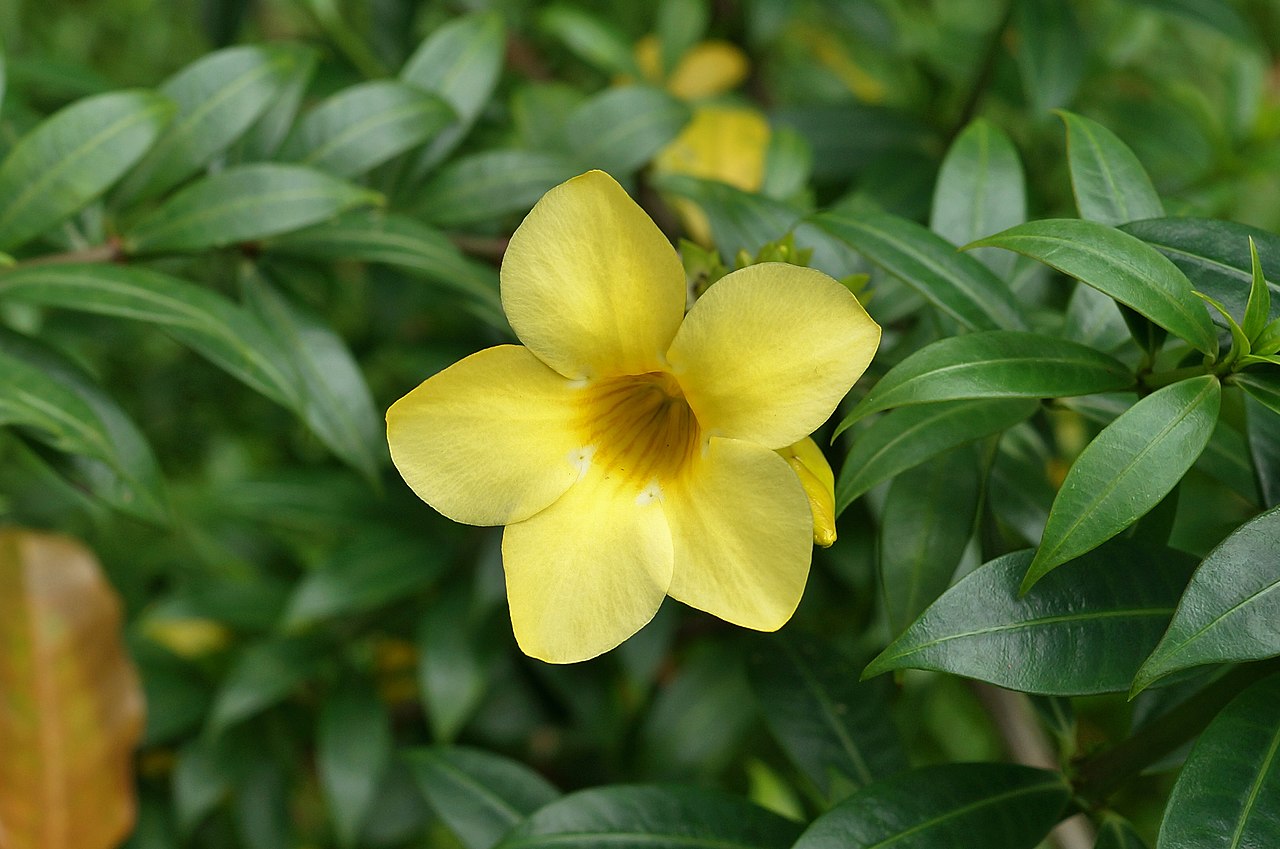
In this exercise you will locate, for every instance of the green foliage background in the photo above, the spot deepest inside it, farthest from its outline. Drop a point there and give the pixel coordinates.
(234, 232)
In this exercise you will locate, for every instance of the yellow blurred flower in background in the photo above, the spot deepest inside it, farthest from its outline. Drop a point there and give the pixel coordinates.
(631, 450)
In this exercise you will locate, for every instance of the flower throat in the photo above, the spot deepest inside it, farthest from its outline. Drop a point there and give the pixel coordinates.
(640, 427)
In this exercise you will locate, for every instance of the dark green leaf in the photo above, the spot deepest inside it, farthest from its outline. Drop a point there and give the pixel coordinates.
(478, 795)
(1051, 50)
(241, 204)
(264, 674)
(956, 283)
(1116, 833)
(261, 805)
(994, 364)
(1264, 449)
(1109, 182)
(365, 125)
(1215, 256)
(1095, 320)
(980, 191)
(1216, 14)
(493, 184)
(73, 157)
(622, 128)
(353, 751)
(460, 62)
(591, 38)
(1119, 265)
(454, 664)
(1084, 629)
(66, 409)
(1228, 793)
(652, 817)
(927, 520)
(1227, 612)
(848, 137)
(996, 806)
(336, 404)
(835, 729)
(230, 337)
(219, 97)
(1127, 469)
(375, 569)
(904, 438)
(176, 693)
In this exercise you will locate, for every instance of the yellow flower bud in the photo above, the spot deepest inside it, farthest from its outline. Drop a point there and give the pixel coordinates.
(819, 484)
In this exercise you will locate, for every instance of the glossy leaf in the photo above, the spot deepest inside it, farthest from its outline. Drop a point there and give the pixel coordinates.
(1258, 307)
(1263, 424)
(73, 705)
(980, 190)
(218, 98)
(242, 204)
(73, 157)
(1127, 469)
(478, 795)
(1083, 629)
(353, 751)
(835, 729)
(994, 364)
(621, 129)
(1118, 265)
(492, 184)
(1051, 52)
(66, 409)
(928, 518)
(1228, 793)
(460, 62)
(997, 806)
(264, 674)
(904, 438)
(1229, 609)
(1110, 184)
(956, 283)
(365, 125)
(337, 405)
(653, 817)
(1215, 256)
(208, 323)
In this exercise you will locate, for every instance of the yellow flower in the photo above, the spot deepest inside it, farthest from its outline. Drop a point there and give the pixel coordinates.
(629, 449)
(707, 69)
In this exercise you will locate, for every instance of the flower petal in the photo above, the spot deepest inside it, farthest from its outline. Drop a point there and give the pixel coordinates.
(587, 572)
(768, 352)
(490, 440)
(743, 536)
(590, 284)
(725, 143)
(708, 69)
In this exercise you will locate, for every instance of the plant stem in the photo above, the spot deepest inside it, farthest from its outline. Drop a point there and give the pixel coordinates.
(107, 252)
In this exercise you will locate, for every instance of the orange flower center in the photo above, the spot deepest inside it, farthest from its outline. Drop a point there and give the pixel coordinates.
(639, 429)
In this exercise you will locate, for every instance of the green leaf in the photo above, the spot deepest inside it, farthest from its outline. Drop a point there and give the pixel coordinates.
(622, 128)
(2, 76)
(73, 157)
(1116, 833)
(680, 25)
(375, 569)
(994, 364)
(654, 817)
(1239, 342)
(904, 438)
(927, 520)
(241, 204)
(263, 675)
(1228, 793)
(836, 730)
(454, 663)
(397, 241)
(365, 125)
(1258, 308)
(740, 220)
(591, 38)
(492, 184)
(228, 336)
(478, 795)
(788, 164)
(980, 190)
(1081, 630)
(1118, 265)
(1127, 469)
(219, 97)
(956, 283)
(1264, 448)
(263, 139)
(67, 410)
(337, 405)
(461, 62)
(1051, 51)
(1215, 14)
(1229, 607)
(353, 751)
(996, 806)
(1110, 184)
(1215, 256)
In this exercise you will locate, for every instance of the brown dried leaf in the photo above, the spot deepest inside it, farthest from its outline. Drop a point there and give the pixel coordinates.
(71, 707)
